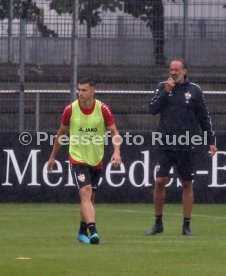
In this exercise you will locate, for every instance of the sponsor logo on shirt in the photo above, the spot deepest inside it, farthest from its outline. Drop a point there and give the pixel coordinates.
(187, 96)
(81, 177)
(88, 129)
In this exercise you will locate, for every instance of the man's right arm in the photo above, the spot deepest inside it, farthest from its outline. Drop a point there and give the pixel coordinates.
(63, 130)
(159, 99)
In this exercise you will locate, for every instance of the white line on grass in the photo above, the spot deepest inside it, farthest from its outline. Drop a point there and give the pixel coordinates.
(175, 214)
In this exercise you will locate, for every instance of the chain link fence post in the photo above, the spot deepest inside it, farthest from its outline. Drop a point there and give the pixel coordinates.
(10, 31)
(185, 23)
(22, 63)
(74, 50)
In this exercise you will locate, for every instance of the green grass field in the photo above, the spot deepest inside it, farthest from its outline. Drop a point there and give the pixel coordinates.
(45, 233)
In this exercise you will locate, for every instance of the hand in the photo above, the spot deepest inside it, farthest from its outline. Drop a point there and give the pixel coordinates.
(213, 149)
(116, 159)
(169, 85)
(50, 164)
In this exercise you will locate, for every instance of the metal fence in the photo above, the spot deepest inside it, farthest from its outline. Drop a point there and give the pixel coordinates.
(124, 45)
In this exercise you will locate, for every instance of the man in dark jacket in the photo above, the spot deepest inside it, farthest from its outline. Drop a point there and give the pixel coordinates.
(184, 123)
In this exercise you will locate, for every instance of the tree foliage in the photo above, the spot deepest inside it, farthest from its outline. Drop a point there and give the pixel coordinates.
(152, 13)
(32, 11)
(27, 10)
(89, 10)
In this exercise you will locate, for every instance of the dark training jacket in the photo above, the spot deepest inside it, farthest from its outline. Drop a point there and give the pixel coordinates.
(182, 111)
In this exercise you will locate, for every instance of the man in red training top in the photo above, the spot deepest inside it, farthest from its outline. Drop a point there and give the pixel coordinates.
(87, 120)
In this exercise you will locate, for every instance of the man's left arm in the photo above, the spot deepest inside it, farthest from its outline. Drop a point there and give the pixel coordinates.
(116, 142)
(205, 123)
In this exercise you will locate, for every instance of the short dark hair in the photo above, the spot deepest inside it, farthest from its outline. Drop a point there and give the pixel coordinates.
(90, 81)
(180, 60)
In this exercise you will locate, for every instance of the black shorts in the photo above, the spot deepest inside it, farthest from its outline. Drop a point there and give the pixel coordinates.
(182, 160)
(84, 175)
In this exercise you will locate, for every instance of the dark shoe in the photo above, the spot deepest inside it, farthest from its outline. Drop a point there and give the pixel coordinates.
(155, 230)
(186, 231)
(95, 239)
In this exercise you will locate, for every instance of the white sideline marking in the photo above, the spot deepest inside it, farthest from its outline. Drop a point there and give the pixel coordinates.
(176, 214)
